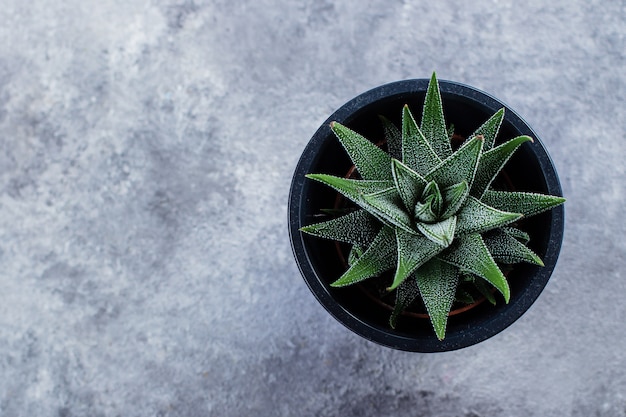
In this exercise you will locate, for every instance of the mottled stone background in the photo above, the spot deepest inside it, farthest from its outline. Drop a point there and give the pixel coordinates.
(146, 153)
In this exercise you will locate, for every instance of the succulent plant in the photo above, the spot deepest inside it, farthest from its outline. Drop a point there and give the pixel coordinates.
(427, 208)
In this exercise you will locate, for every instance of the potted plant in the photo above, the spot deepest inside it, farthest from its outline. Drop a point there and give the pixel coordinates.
(425, 237)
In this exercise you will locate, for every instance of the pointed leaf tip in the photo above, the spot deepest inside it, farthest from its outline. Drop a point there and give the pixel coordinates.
(461, 166)
(433, 124)
(507, 249)
(490, 129)
(371, 162)
(491, 163)
(413, 251)
(379, 257)
(417, 152)
(471, 254)
(527, 203)
(437, 282)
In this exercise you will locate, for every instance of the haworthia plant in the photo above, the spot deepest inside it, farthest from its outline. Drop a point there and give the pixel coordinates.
(430, 212)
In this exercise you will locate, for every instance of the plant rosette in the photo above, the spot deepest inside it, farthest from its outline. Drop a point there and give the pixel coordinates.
(396, 225)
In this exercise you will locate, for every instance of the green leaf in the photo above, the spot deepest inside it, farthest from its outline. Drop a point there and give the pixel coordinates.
(428, 208)
(506, 249)
(387, 206)
(450, 131)
(470, 253)
(424, 213)
(378, 258)
(526, 203)
(517, 234)
(433, 124)
(393, 137)
(359, 228)
(477, 217)
(461, 166)
(379, 198)
(491, 162)
(432, 195)
(413, 251)
(370, 161)
(437, 282)
(454, 197)
(406, 293)
(417, 153)
(352, 189)
(355, 253)
(482, 286)
(441, 233)
(409, 184)
(489, 129)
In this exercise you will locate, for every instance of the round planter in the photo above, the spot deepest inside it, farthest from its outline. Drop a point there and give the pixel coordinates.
(530, 169)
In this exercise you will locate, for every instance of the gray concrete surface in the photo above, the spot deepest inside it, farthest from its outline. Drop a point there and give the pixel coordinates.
(146, 152)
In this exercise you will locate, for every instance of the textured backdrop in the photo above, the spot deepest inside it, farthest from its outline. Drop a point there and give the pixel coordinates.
(146, 153)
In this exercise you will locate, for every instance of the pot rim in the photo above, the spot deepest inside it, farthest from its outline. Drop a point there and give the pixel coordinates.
(387, 337)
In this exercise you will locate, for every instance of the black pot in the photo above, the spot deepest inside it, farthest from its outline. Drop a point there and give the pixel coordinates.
(530, 169)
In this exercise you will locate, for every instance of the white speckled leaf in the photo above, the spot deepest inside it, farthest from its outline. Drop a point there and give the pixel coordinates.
(450, 131)
(355, 253)
(417, 153)
(378, 258)
(491, 162)
(406, 293)
(358, 227)
(351, 186)
(409, 184)
(413, 251)
(352, 189)
(517, 234)
(506, 249)
(489, 129)
(424, 212)
(432, 195)
(437, 282)
(429, 206)
(453, 198)
(393, 137)
(378, 198)
(387, 206)
(433, 125)
(477, 217)
(441, 233)
(470, 253)
(528, 204)
(461, 166)
(370, 161)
